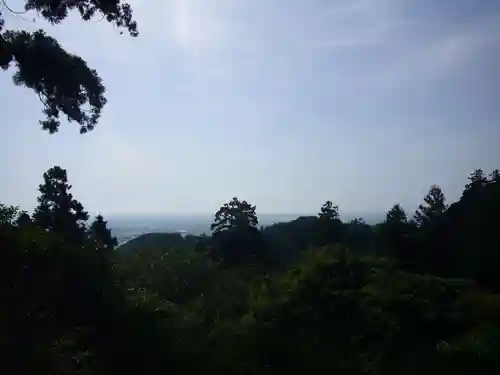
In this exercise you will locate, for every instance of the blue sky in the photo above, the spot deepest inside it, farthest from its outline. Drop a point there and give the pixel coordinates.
(285, 104)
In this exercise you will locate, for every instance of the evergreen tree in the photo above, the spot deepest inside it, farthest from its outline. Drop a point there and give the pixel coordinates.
(329, 212)
(395, 231)
(100, 235)
(330, 228)
(434, 207)
(235, 236)
(495, 175)
(57, 210)
(63, 82)
(477, 179)
(396, 215)
(8, 214)
(235, 214)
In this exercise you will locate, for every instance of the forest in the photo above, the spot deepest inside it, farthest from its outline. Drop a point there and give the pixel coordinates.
(418, 293)
(408, 295)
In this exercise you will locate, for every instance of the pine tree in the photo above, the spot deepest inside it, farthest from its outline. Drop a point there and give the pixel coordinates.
(235, 214)
(495, 175)
(396, 216)
(330, 228)
(395, 231)
(100, 235)
(235, 236)
(57, 210)
(329, 211)
(62, 81)
(8, 214)
(434, 206)
(477, 180)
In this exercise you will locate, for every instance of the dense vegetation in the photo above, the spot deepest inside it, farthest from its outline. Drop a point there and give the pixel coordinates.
(413, 295)
(314, 294)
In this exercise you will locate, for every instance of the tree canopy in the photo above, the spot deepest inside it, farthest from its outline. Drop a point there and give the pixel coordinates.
(63, 81)
(390, 298)
(234, 214)
(433, 208)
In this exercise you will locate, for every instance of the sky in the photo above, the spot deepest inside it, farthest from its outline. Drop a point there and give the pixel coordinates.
(285, 104)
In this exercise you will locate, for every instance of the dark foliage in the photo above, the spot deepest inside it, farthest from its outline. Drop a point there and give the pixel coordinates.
(454, 241)
(235, 237)
(63, 81)
(330, 228)
(57, 210)
(398, 297)
(100, 235)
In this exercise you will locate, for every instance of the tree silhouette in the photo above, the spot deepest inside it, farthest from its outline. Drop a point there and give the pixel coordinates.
(434, 206)
(495, 175)
(235, 236)
(396, 215)
(477, 179)
(329, 211)
(395, 231)
(330, 226)
(235, 214)
(8, 214)
(57, 210)
(100, 235)
(63, 82)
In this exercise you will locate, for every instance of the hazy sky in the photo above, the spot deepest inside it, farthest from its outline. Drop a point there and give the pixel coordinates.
(283, 103)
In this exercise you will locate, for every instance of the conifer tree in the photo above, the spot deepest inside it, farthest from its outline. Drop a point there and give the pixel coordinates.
(57, 210)
(434, 206)
(100, 235)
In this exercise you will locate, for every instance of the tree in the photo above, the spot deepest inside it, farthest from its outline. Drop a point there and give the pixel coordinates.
(396, 215)
(329, 211)
(330, 227)
(100, 235)
(396, 221)
(63, 82)
(495, 175)
(357, 221)
(433, 208)
(8, 214)
(234, 214)
(235, 237)
(57, 210)
(477, 180)
(395, 231)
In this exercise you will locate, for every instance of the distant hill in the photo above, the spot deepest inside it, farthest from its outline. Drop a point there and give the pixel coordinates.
(126, 228)
(159, 241)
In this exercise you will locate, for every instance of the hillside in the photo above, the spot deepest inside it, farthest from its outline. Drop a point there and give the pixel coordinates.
(156, 241)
